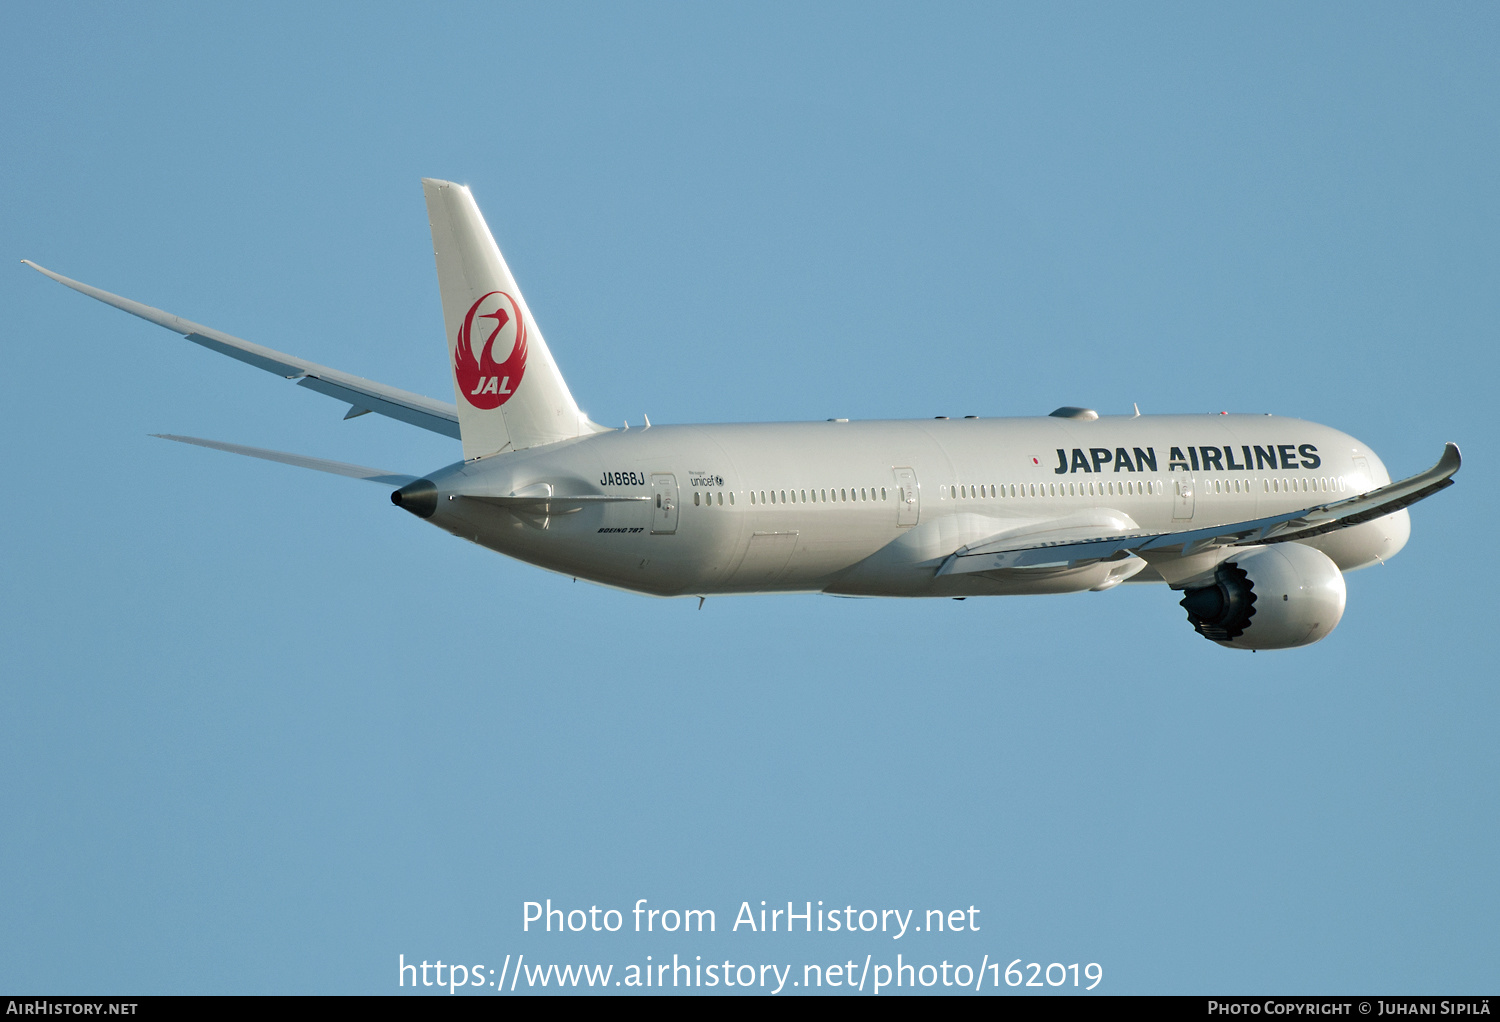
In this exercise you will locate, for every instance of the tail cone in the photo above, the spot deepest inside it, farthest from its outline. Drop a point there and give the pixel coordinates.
(420, 498)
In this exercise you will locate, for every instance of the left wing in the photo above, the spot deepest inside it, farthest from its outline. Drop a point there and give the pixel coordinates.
(363, 395)
(1025, 552)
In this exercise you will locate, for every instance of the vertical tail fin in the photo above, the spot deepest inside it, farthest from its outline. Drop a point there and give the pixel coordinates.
(507, 387)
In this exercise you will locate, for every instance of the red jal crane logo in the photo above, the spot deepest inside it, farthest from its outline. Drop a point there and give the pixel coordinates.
(484, 382)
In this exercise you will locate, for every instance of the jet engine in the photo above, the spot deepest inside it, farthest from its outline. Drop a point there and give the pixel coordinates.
(1269, 597)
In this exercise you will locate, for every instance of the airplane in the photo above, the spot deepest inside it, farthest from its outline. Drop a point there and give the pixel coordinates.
(1253, 518)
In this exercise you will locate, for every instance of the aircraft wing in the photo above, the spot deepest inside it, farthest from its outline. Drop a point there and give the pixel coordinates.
(1029, 552)
(363, 395)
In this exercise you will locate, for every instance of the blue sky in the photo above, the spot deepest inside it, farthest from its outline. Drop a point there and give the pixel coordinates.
(265, 732)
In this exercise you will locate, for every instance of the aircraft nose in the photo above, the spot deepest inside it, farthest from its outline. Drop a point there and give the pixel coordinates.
(420, 498)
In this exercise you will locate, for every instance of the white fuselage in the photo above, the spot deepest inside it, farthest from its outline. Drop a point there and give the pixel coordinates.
(874, 508)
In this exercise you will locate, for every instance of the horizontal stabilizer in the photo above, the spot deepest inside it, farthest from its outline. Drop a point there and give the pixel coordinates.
(392, 402)
(1013, 552)
(338, 468)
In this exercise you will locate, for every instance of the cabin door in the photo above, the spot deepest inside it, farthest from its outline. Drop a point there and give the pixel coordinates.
(908, 497)
(1182, 497)
(663, 504)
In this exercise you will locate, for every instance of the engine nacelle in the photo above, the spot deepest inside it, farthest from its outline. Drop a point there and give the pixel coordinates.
(1270, 597)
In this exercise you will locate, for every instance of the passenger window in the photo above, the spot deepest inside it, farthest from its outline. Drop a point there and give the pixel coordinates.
(721, 498)
(695, 498)
(882, 493)
(731, 496)
(783, 496)
(804, 496)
